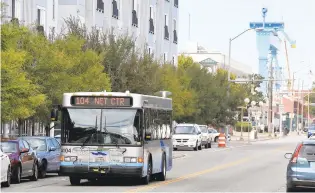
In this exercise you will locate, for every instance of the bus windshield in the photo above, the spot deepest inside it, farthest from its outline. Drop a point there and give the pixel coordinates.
(101, 126)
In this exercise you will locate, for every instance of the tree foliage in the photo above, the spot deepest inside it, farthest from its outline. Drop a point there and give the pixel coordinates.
(36, 71)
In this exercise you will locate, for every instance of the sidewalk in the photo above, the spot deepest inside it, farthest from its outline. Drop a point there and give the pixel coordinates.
(260, 136)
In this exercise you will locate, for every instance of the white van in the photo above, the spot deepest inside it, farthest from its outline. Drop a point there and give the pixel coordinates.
(187, 136)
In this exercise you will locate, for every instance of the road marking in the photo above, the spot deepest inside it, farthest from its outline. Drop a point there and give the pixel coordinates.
(192, 175)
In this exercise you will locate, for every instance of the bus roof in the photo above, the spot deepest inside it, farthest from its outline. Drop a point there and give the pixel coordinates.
(139, 100)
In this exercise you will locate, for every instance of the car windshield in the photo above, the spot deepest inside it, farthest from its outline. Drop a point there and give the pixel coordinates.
(214, 131)
(102, 126)
(9, 147)
(184, 130)
(37, 144)
(204, 129)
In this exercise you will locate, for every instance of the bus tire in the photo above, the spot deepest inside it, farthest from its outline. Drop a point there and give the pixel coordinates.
(74, 181)
(146, 180)
(162, 175)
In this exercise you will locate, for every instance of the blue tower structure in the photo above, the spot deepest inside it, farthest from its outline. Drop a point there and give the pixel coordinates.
(268, 45)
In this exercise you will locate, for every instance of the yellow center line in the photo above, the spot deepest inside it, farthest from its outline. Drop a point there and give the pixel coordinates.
(192, 175)
(188, 176)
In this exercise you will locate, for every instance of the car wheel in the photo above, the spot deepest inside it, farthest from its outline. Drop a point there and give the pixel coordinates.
(209, 144)
(146, 180)
(175, 149)
(206, 145)
(17, 174)
(196, 148)
(290, 188)
(200, 147)
(34, 177)
(216, 139)
(162, 175)
(74, 181)
(8, 182)
(43, 169)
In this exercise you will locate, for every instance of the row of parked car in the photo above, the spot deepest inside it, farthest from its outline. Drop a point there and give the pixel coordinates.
(194, 136)
(28, 157)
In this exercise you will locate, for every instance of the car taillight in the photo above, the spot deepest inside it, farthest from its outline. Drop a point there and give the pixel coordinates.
(296, 153)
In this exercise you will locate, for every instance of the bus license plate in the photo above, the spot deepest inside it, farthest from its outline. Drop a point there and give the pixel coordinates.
(100, 159)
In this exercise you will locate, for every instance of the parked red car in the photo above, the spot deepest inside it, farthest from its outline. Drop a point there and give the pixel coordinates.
(24, 162)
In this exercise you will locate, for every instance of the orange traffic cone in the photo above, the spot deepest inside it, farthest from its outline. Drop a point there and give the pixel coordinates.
(221, 140)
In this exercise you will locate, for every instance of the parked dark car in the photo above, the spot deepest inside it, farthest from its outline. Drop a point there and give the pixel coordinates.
(310, 130)
(23, 159)
(301, 167)
(48, 153)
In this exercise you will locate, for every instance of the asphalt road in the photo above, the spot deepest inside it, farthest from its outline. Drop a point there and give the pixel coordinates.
(258, 167)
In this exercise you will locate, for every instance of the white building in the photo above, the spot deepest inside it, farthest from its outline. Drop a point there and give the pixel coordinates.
(214, 60)
(152, 23)
(32, 12)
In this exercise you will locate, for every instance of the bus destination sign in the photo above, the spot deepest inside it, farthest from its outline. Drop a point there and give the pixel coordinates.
(101, 101)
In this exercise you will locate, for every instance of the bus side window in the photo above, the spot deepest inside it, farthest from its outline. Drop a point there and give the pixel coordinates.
(147, 120)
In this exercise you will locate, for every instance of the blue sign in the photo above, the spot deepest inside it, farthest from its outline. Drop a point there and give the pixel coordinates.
(99, 153)
(254, 25)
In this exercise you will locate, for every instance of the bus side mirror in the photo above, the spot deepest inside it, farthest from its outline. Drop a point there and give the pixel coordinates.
(147, 136)
(54, 115)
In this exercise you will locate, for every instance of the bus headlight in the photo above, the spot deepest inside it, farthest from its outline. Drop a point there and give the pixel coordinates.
(70, 158)
(130, 159)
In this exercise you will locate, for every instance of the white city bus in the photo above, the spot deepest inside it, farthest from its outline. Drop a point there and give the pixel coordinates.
(115, 134)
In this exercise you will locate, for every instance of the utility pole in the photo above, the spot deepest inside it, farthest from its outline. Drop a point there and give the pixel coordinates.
(270, 98)
(292, 98)
(302, 108)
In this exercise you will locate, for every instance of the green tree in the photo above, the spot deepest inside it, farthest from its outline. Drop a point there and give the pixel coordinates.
(19, 96)
(176, 81)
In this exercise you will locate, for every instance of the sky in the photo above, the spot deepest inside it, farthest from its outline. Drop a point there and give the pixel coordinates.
(213, 22)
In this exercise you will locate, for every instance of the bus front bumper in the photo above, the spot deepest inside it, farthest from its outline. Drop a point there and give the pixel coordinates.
(85, 171)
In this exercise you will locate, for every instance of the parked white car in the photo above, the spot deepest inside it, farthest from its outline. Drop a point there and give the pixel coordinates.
(187, 136)
(215, 134)
(5, 169)
(206, 137)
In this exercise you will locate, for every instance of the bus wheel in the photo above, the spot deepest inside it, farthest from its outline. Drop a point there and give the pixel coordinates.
(162, 175)
(146, 180)
(74, 181)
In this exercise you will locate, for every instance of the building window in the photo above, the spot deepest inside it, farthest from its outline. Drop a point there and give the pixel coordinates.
(41, 19)
(166, 33)
(173, 60)
(176, 3)
(115, 9)
(149, 51)
(134, 13)
(100, 6)
(38, 17)
(53, 9)
(174, 32)
(151, 21)
(13, 9)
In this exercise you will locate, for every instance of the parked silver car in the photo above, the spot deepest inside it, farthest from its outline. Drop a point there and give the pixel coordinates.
(301, 167)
